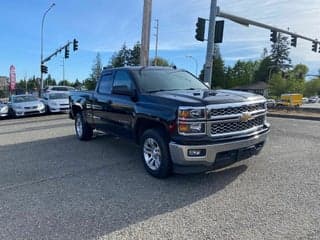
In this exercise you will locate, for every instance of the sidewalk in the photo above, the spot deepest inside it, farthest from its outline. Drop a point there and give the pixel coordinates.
(300, 114)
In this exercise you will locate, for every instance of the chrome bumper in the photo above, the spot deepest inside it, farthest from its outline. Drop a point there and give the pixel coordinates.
(179, 153)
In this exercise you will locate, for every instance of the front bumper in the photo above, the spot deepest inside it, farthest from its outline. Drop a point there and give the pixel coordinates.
(24, 112)
(55, 109)
(216, 155)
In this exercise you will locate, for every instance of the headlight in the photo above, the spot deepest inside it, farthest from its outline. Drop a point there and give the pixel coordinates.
(40, 105)
(195, 128)
(4, 109)
(191, 120)
(189, 113)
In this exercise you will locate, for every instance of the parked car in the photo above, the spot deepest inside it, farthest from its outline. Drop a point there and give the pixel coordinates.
(305, 100)
(58, 89)
(23, 105)
(271, 103)
(179, 123)
(3, 110)
(313, 99)
(56, 102)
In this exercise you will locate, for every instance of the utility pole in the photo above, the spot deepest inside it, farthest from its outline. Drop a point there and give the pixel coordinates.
(25, 79)
(63, 69)
(157, 38)
(145, 35)
(210, 44)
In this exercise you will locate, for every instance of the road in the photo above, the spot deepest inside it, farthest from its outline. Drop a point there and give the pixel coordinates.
(53, 186)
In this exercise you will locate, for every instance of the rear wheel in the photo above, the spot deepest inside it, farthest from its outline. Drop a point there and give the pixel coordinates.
(83, 129)
(155, 153)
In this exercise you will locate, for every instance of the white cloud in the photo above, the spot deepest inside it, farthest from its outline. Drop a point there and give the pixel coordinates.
(177, 26)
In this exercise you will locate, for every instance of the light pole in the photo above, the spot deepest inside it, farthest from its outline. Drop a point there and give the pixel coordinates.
(41, 61)
(195, 61)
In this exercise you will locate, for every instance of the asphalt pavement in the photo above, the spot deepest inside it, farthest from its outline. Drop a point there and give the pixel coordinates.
(53, 186)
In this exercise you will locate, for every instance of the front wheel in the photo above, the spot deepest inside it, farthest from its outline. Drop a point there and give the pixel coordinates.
(84, 131)
(155, 153)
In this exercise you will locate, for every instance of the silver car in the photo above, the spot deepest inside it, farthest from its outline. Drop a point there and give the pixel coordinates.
(56, 102)
(23, 105)
(3, 110)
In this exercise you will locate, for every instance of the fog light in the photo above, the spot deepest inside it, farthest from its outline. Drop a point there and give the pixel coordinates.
(196, 152)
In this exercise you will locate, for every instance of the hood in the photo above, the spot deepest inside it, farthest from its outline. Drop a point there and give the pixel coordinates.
(59, 101)
(206, 97)
(26, 104)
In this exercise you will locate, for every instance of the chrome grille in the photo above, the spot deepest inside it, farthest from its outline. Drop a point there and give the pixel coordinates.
(236, 110)
(226, 127)
(33, 107)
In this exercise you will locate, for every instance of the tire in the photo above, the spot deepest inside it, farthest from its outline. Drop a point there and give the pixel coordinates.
(155, 153)
(83, 130)
(12, 113)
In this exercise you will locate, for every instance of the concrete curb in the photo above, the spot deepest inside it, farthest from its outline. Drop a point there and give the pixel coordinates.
(293, 116)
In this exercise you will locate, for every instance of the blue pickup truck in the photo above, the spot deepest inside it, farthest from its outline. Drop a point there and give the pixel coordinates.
(179, 123)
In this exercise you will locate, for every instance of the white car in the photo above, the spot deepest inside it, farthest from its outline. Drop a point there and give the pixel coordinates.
(23, 105)
(58, 89)
(56, 102)
(4, 110)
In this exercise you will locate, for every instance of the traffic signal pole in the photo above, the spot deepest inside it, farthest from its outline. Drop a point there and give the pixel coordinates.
(210, 45)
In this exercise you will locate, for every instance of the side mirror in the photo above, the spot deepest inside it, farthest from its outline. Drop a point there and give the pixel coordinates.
(123, 90)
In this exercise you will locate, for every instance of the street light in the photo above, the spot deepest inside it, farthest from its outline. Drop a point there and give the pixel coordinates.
(195, 61)
(43, 17)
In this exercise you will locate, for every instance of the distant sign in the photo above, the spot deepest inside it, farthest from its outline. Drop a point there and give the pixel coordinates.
(12, 85)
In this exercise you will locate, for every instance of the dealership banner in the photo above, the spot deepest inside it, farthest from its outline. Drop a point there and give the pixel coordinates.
(12, 85)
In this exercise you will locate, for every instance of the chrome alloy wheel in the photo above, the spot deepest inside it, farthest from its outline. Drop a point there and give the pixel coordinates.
(152, 154)
(79, 126)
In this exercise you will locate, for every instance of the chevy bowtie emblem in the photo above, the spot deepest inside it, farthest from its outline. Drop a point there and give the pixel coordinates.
(245, 117)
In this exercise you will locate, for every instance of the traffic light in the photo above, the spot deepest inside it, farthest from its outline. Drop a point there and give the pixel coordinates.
(200, 28)
(314, 46)
(44, 69)
(66, 52)
(293, 41)
(75, 44)
(273, 36)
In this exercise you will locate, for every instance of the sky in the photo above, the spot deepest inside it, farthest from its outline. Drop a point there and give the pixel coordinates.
(105, 25)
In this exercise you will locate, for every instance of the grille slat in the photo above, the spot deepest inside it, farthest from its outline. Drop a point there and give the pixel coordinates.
(236, 110)
(235, 126)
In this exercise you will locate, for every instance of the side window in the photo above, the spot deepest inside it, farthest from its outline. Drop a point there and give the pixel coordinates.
(105, 84)
(123, 80)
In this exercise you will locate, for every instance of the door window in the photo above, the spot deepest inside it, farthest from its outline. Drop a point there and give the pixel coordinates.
(105, 84)
(123, 80)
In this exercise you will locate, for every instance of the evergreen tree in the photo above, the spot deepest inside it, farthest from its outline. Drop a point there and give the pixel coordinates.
(263, 71)
(280, 53)
(160, 62)
(77, 84)
(90, 83)
(134, 59)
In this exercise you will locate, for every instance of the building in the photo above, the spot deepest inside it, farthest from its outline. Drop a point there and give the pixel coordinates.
(4, 83)
(260, 88)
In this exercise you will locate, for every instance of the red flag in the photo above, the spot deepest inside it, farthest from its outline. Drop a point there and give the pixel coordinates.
(12, 85)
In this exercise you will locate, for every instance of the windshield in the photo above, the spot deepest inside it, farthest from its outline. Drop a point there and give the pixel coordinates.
(58, 96)
(167, 80)
(20, 99)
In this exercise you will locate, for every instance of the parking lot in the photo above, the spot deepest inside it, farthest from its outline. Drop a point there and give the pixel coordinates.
(53, 186)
